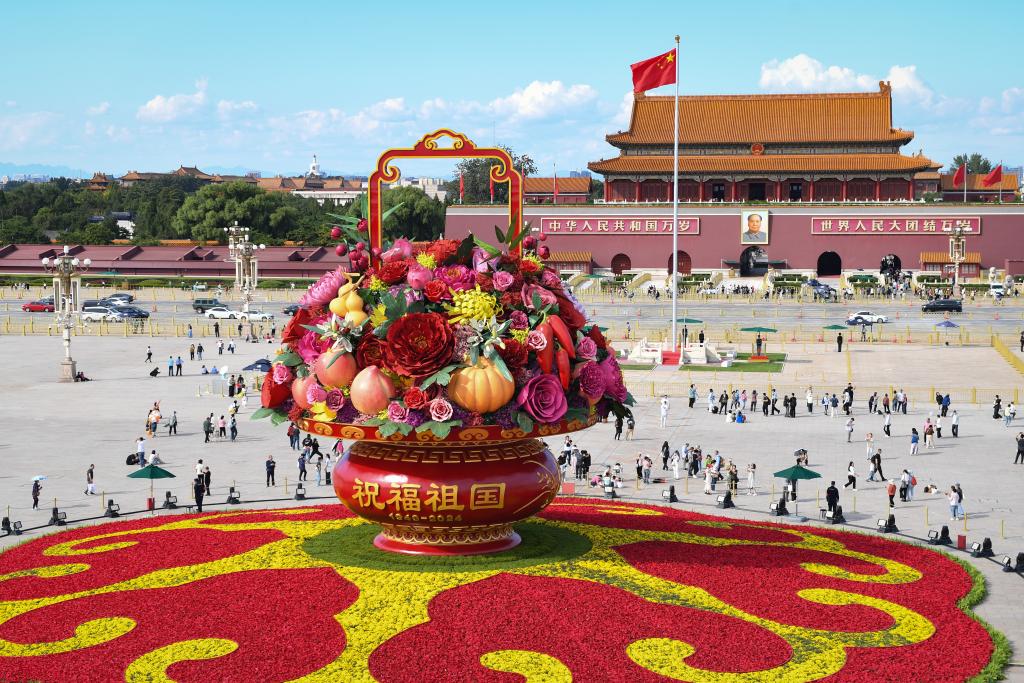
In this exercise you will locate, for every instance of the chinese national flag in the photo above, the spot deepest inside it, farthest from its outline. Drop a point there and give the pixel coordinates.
(996, 176)
(654, 72)
(960, 177)
(462, 189)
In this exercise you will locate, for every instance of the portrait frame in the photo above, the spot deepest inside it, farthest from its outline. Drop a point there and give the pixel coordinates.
(745, 221)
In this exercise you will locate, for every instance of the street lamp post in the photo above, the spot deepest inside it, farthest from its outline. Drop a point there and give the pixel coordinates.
(957, 254)
(243, 252)
(66, 270)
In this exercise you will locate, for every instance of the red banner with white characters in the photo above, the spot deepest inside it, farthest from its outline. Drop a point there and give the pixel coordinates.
(893, 225)
(618, 225)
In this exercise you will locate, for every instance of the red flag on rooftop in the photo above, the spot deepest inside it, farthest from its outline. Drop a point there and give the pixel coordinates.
(654, 72)
(996, 176)
(960, 177)
(492, 190)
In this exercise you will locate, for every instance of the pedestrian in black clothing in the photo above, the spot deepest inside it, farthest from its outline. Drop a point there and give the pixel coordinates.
(1022, 341)
(618, 428)
(700, 337)
(839, 342)
(792, 405)
(216, 329)
(199, 490)
(199, 351)
(664, 456)
(207, 476)
(37, 488)
(1020, 449)
(832, 497)
(765, 402)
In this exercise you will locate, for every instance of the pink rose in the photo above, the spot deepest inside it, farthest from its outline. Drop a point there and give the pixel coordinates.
(418, 276)
(546, 297)
(281, 374)
(549, 279)
(397, 413)
(315, 393)
(536, 341)
(543, 399)
(503, 280)
(335, 399)
(400, 249)
(440, 410)
(310, 348)
(586, 349)
(520, 321)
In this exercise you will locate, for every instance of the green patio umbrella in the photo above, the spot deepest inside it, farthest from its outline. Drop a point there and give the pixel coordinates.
(689, 321)
(835, 327)
(762, 330)
(797, 472)
(151, 472)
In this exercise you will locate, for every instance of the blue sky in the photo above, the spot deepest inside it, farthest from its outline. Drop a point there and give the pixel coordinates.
(257, 85)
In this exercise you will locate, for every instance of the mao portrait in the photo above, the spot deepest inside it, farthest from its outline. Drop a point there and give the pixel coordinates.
(754, 227)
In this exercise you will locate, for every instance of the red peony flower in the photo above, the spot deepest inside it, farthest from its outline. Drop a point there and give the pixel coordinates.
(595, 334)
(572, 318)
(485, 282)
(415, 398)
(442, 250)
(419, 344)
(274, 394)
(296, 413)
(514, 354)
(528, 266)
(437, 290)
(394, 272)
(371, 351)
(510, 299)
(294, 330)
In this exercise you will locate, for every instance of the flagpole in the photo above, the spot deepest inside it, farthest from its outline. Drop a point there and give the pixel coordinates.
(554, 183)
(675, 205)
(1000, 181)
(967, 170)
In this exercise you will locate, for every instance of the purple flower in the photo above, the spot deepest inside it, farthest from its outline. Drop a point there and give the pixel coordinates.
(503, 417)
(520, 321)
(415, 418)
(348, 413)
(592, 380)
(586, 349)
(335, 399)
(397, 412)
(482, 261)
(503, 280)
(315, 393)
(613, 384)
(543, 399)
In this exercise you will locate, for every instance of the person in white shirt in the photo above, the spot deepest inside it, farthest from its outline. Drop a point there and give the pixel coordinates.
(887, 424)
(955, 424)
(199, 467)
(664, 411)
(810, 400)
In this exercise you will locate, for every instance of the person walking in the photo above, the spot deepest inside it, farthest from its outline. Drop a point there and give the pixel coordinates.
(887, 424)
(664, 411)
(915, 440)
(851, 476)
(207, 477)
(665, 455)
(954, 425)
(849, 430)
(890, 490)
(1020, 449)
(149, 354)
(839, 342)
(198, 492)
(172, 424)
(170, 366)
(329, 464)
(208, 428)
(302, 466)
(834, 406)
(691, 395)
(751, 482)
(648, 465)
(938, 427)
(37, 489)
(929, 434)
(177, 366)
(954, 503)
(233, 428)
(630, 426)
(618, 428)
(191, 351)
(220, 347)
(775, 400)
(199, 351)
(271, 465)
(90, 481)
(809, 397)
(945, 404)
(189, 332)
(222, 427)
(885, 403)
(832, 497)
(1009, 413)
(674, 462)
(216, 329)
(876, 459)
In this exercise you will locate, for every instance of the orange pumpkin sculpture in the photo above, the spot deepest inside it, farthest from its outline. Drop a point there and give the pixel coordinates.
(480, 388)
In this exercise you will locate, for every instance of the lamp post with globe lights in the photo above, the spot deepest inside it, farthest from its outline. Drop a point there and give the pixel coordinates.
(243, 252)
(66, 270)
(957, 254)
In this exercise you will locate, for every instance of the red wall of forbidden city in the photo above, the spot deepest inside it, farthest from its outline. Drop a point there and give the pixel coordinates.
(790, 236)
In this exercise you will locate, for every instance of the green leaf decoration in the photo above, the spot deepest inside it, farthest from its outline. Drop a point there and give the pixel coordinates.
(537, 303)
(390, 211)
(490, 249)
(277, 418)
(525, 422)
(387, 429)
(290, 358)
(262, 413)
(499, 234)
(441, 377)
(500, 364)
(404, 428)
(374, 422)
(465, 251)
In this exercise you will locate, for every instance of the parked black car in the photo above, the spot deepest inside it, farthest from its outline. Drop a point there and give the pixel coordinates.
(122, 296)
(132, 312)
(202, 305)
(942, 305)
(291, 309)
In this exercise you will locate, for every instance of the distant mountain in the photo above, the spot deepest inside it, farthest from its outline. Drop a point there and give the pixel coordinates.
(11, 169)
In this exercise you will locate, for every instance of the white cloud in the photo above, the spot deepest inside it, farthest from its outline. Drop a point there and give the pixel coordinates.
(228, 108)
(20, 130)
(98, 109)
(803, 73)
(118, 134)
(625, 112)
(542, 99)
(1002, 116)
(90, 129)
(1010, 98)
(162, 109)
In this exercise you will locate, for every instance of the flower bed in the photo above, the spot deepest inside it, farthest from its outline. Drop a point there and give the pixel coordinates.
(597, 591)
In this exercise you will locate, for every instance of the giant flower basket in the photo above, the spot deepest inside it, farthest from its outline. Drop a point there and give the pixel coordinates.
(444, 362)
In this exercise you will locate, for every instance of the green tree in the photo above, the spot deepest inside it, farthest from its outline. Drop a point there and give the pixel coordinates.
(19, 230)
(597, 190)
(976, 163)
(417, 216)
(476, 178)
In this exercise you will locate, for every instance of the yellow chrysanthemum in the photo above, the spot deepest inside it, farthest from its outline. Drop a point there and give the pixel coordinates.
(472, 304)
(378, 316)
(519, 335)
(321, 413)
(426, 260)
(376, 284)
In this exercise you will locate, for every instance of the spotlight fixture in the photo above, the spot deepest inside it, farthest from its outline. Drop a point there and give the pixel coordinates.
(300, 492)
(113, 509)
(58, 518)
(1007, 563)
(234, 497)
(170, 502)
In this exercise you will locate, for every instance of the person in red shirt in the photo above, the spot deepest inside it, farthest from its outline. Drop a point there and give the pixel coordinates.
(891, 490)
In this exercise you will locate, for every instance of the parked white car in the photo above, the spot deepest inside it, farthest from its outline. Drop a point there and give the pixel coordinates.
(223, 313)
(254, 314)
(865, 318)
(95, 314)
